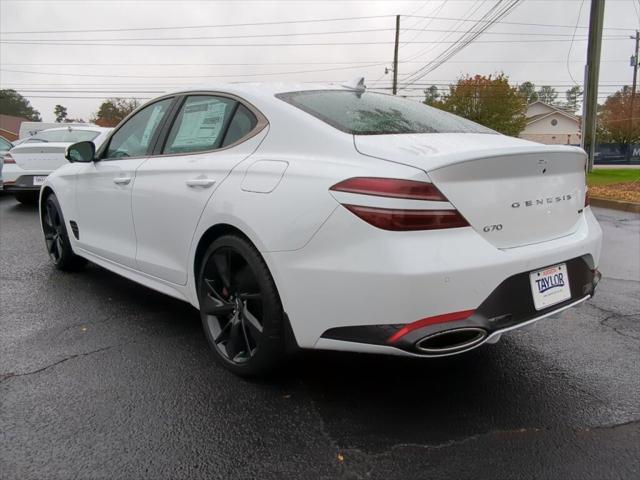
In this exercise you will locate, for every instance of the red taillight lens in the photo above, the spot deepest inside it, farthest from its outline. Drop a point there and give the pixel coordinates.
(402, 220)
(8, 158)
(390, 187)
(447, 317)
(586, 197)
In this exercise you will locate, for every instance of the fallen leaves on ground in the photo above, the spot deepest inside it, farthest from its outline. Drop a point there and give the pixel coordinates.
(627, 192)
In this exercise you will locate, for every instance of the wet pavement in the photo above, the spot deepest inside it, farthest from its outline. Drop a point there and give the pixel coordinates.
(102, 378)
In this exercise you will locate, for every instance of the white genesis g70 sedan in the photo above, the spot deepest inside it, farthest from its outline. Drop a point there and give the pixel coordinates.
(328, 217)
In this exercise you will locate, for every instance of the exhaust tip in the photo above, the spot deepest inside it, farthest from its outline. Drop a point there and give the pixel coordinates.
(451, 341)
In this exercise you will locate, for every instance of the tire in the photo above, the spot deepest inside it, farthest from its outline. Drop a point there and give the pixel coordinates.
(27, 198)
(240, 308)
(56, 237)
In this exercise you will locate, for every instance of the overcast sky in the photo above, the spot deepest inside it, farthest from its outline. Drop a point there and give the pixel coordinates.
(97, 70)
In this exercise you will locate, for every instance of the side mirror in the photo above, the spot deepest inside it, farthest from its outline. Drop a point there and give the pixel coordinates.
(81, 152)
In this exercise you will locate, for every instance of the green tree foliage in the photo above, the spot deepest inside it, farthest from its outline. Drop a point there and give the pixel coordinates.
(616, 123)
(490, 101)
(547, 94)
(528, 91)
(61, 113)
(113, 110)
(573, 96)
(12, 103)
(431, 95)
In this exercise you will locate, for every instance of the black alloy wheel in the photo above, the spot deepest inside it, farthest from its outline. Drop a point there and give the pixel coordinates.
(240, 308)
(56, 237)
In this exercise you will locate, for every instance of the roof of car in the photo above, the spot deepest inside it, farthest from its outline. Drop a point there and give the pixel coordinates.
(261, 89)
(89, 127)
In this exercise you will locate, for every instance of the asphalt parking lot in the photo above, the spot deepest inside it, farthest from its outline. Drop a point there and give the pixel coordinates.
(102, 378)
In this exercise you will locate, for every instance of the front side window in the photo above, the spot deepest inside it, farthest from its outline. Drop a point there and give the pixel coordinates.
(365, 113)
(134, 137)
(200, 125)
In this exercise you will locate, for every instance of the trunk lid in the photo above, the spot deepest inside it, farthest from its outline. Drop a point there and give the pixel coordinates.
(40, 156)
(512, 192)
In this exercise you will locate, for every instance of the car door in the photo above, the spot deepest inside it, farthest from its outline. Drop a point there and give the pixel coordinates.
(103, 187)
(209, 136)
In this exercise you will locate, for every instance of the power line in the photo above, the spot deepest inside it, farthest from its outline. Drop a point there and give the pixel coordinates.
(188, 27)
(229, 75)
(273, 35)
(572, 38)
(253, 45)
(529, 24)
(492, 16)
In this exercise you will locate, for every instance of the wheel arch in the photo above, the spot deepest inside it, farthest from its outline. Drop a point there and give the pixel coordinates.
(209, 235)
(44, 194)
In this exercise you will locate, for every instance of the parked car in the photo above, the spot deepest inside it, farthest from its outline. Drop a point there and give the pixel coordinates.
(324, 217)
(27, 165)
(5, 146)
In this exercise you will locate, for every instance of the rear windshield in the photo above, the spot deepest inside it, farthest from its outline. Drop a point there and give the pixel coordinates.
(378, 114)
(70, 136)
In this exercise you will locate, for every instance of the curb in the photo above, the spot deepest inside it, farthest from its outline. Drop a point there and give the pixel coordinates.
(614, 204)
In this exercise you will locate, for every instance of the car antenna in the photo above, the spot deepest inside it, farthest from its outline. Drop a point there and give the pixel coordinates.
(356, 84)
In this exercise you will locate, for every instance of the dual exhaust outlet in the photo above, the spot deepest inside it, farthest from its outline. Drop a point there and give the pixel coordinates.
(451, 341)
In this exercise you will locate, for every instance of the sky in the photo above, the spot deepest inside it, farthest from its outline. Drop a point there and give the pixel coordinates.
(43, 59)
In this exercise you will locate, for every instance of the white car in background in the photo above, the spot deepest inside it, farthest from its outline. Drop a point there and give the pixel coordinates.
(326, 217)
(5, 146)
(27, 165)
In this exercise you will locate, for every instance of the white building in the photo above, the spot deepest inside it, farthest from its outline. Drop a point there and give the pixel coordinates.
(551, 125)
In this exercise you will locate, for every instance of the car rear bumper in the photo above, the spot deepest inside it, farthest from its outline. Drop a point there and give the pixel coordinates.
(17, 179)
(352, 276)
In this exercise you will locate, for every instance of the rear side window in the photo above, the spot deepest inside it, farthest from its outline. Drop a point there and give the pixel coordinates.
(370, 113)
(200, 124)
(242, 123)
(4, 144)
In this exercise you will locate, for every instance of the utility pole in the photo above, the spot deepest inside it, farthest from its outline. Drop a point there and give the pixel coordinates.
(634, 64)
(591, 74)
(395, 56)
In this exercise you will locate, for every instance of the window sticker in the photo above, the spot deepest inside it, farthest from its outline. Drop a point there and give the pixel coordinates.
(201, 125)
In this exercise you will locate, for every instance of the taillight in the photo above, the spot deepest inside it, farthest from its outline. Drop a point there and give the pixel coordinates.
(390, 187)
(400, 219)
(586, 197)
(8, 158)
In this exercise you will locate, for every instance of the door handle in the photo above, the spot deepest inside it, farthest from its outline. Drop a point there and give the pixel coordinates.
(122, 180)
(200, 182)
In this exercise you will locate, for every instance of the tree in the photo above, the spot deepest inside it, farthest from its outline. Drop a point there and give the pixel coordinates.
(431, 95)
(113, 110)
(12, 103)
(615, 121)
(573, 95)
(61, 113)
(547, 94)
(490, 101)
(528, 91)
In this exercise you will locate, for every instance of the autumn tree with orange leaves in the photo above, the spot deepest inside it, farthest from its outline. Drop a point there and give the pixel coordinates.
(489, 101)
(616, 124)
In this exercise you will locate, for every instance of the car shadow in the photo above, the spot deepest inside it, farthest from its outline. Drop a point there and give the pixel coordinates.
(372, 402)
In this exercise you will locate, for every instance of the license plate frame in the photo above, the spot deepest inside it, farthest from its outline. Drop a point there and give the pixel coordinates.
(38, 180)
(550, 286)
